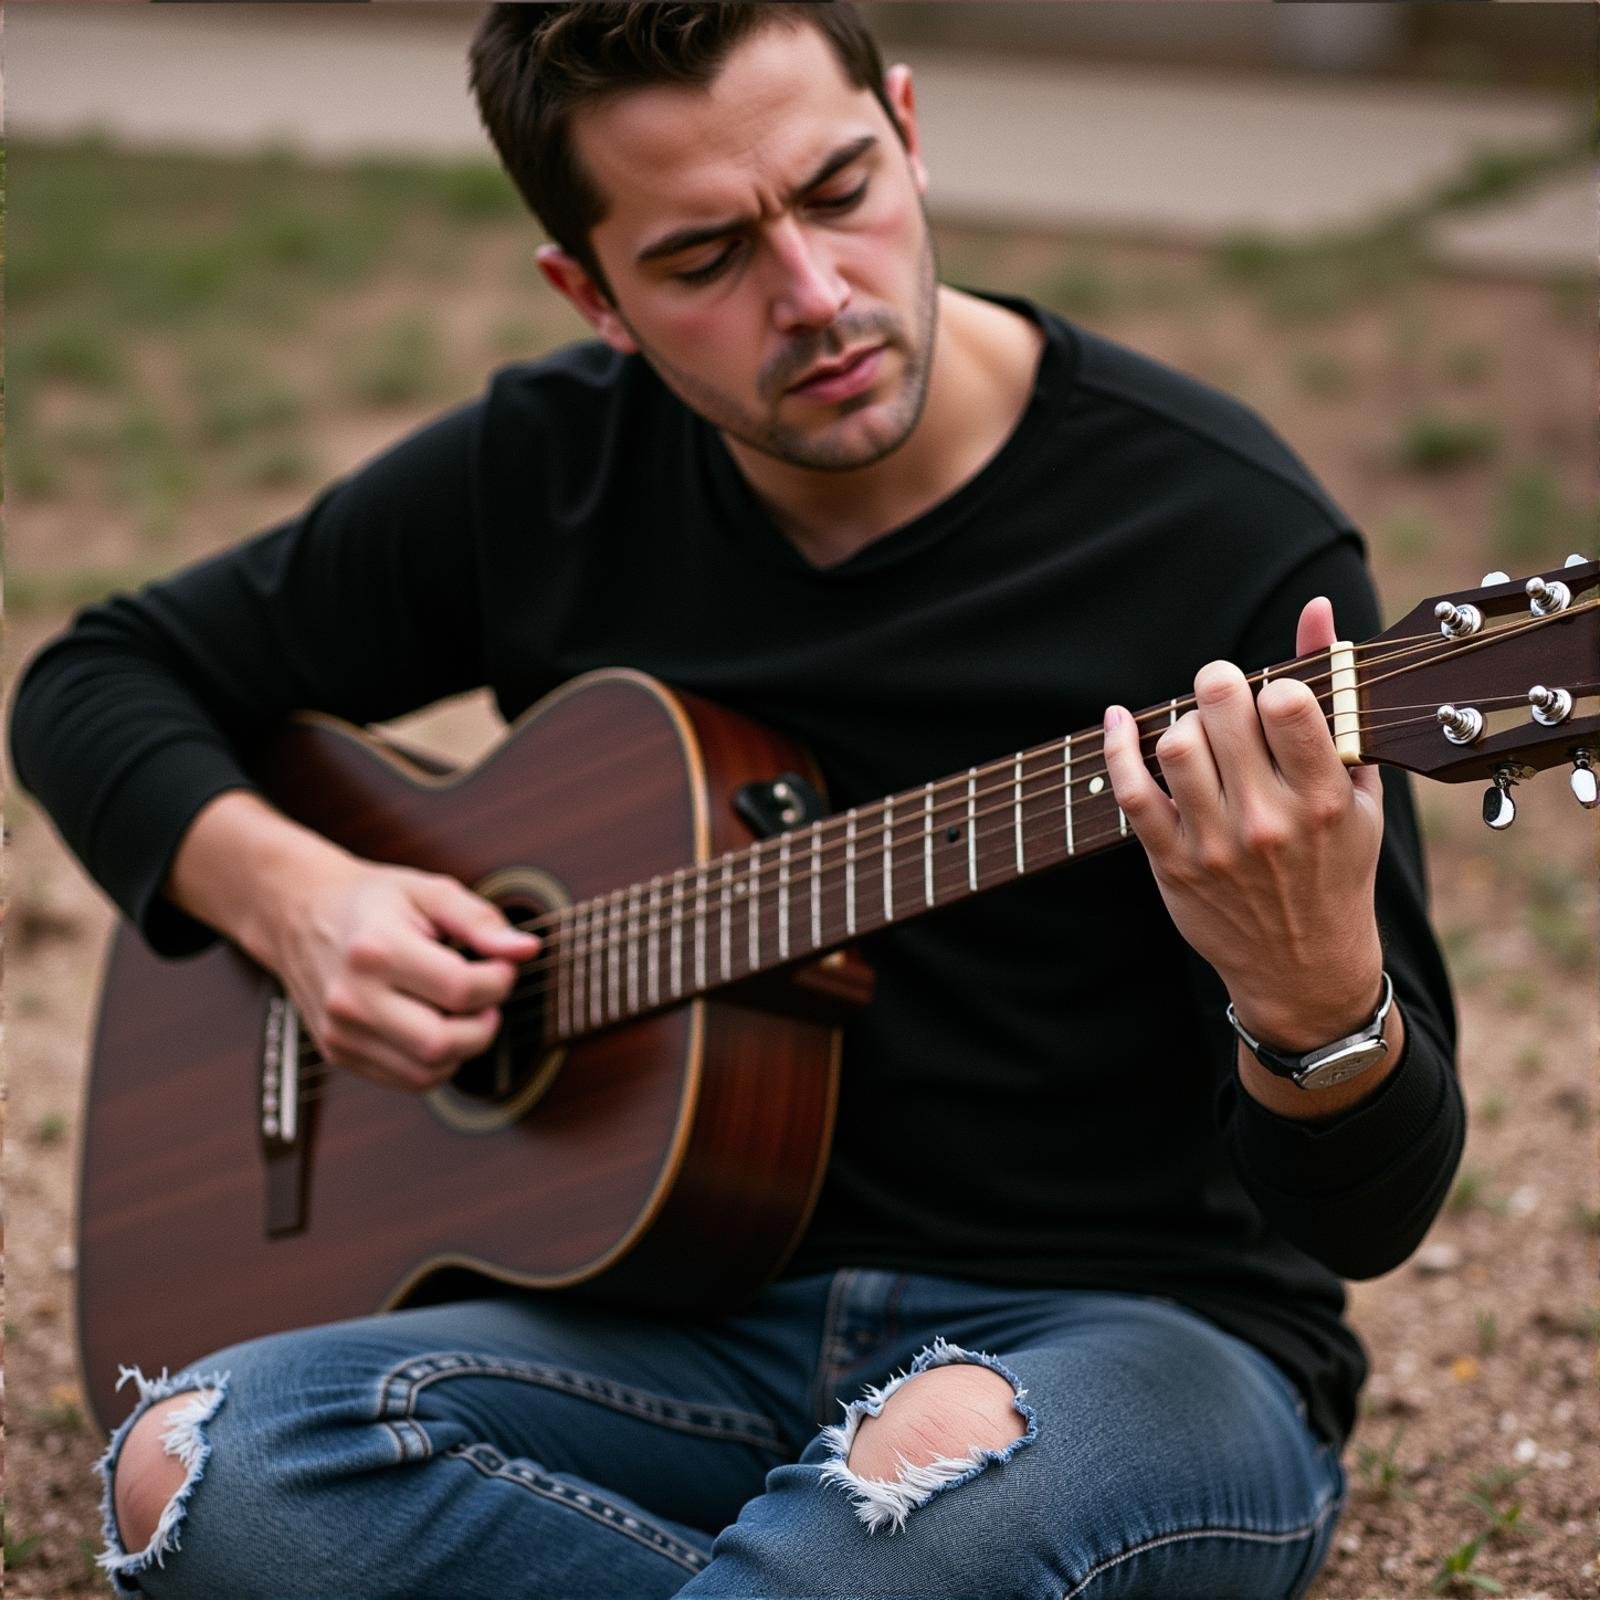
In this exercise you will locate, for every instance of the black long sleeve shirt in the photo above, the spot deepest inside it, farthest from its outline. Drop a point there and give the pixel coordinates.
(1043, 1090)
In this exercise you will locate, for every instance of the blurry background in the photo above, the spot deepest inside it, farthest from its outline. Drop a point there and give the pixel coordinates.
(249, 245)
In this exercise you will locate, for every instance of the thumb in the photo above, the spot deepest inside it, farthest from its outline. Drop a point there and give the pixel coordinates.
(471, 920)
(1315, 630)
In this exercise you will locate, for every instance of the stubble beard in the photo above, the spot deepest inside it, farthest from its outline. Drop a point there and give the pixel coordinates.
(829, 450)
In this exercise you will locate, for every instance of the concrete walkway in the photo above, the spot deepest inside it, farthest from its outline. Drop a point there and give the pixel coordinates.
(1122, 150)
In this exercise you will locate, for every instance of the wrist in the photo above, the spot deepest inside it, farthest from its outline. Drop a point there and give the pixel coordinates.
(1315, 1014)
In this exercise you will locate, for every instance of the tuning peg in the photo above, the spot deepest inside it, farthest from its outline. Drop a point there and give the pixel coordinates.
(1499, 809)
(1550, 706)
(1456, 622)
(1461, 724)
(1583, 782)
(1576, 561)
(1544, 598)
(1494, 577)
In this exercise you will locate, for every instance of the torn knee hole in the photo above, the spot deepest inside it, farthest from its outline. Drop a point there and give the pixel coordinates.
(929, 1429)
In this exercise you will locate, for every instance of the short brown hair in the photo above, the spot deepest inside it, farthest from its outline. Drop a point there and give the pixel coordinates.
(532, 65)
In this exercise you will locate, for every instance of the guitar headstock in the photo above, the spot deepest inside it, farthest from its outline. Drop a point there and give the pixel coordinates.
(1497, 682)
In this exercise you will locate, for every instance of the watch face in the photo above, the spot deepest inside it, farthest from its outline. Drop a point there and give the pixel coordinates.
(1346, 1065)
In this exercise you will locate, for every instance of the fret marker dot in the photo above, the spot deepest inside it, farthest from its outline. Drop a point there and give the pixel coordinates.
(953, 835)
(1096, 785)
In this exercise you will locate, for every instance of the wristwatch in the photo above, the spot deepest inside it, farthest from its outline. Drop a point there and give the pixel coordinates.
(1329, 1064)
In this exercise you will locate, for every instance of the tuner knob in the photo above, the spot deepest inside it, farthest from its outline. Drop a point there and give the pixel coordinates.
(1461, 724)
(1543, 598)
(1495, 577)
(1456, 622)
(1583, 782)
(1499, 809)
(1550, 706)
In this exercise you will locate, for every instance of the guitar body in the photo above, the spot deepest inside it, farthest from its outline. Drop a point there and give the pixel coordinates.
(668, 1162)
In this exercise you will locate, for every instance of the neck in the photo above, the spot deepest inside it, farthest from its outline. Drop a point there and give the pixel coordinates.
(984, 364)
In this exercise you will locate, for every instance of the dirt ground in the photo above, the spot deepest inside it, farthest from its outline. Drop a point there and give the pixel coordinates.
(1483, 1346)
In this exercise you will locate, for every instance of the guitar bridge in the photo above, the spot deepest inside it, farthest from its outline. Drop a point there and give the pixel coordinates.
(279, 1120)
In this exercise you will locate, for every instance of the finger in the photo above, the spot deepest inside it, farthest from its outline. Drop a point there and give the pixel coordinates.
(1301, 743)
(1191, 773)
(417, 1043)
(1315, 628)
(420, 966)
(1151, 815)
(1234, 735)
(479, 924)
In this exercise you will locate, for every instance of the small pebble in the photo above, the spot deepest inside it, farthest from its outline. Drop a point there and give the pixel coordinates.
(1350, 1543)
(1523, 1201)
(1437, 1257)
(1525, 1453)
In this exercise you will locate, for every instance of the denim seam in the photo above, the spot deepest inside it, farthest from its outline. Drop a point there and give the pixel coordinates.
(399, 1387)
(491, 1463)
(828, 1370)
(1250, 1535)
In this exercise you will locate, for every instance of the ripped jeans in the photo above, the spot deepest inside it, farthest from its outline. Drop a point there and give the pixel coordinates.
(529, 1448)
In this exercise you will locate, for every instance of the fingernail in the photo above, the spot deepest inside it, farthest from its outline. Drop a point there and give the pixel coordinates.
(1114, 718)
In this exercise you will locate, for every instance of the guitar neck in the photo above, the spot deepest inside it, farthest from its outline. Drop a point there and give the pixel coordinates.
(813, 889)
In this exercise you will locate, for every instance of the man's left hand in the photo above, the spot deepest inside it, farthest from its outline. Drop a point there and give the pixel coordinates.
(1266, 851)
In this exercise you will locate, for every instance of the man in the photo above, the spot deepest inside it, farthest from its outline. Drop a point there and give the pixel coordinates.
(917, 528)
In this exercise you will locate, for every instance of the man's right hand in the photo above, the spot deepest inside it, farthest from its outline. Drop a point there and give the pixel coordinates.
(366, 951)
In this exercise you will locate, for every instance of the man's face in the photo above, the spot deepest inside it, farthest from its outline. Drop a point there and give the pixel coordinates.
(767, 252)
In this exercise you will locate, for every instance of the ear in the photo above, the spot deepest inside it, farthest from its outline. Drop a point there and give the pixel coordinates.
(569, 278)
(898, 90)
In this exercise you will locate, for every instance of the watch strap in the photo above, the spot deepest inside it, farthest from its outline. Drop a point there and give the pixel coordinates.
(1328, 1064)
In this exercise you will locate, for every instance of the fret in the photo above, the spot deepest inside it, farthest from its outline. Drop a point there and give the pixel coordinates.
(927, 843)
(563, 962)
(575, 968)
(816, 887)
(653, 954)
(1172, 718)
(614, 957)
(596, 969)
(754, 907)
(850, 873)
(726, 919)
(677, 932)
(1066, 786)
(972, 828)
(783, 898)
(1016, 810)
(888, 859)
(700, 928)
(633, 948)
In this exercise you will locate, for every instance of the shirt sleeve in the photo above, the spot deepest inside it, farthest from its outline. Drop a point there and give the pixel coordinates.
(366, 606)
(1358, 1192)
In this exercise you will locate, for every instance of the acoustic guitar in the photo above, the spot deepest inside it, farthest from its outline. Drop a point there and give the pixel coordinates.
(652, 1125)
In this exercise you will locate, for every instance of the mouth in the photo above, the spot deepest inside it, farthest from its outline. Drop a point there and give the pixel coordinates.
(832, 380)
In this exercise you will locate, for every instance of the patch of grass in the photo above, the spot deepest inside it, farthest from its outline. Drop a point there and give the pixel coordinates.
(1080, 287)
(1320, 279)
(1487, 1327)
(36, 593)
(151, 473)
(1455, 1574)
(512, 336)
(1432, 441)
(51, 1128)
(275, 464)
(33, 470)
(1323, 374)
(1586, 1218)
(1380, 1471)
(1519, 991)
(1467, 364)
(396, 366)
(64, 1416)
(1534, 522)
(234, 400)
(1473, 1193)
(66, 348)
(1501, 1522)
(1492, 1109)
(1408, 535)
(1529, 1062)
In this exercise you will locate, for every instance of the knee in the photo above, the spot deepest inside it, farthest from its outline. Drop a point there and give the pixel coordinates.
(153, 1463)
(943, 1413)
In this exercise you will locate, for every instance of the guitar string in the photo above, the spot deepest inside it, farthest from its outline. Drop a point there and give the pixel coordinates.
(613, 942)
(954, 786)
(309, 1054)
(873, 822)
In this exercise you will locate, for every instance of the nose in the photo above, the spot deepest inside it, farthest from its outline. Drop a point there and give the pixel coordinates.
(808, 291)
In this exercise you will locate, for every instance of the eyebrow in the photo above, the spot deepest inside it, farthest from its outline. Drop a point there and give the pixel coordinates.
(686, 238)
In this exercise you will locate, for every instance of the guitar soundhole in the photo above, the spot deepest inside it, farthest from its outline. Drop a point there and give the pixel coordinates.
(495, 1089)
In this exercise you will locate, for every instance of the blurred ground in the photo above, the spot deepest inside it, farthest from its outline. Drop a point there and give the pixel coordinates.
(196, 345)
